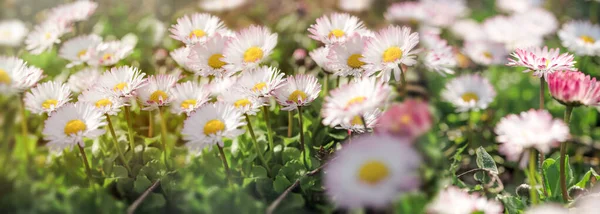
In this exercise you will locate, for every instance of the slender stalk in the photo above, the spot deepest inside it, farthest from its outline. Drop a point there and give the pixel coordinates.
(260, 153)
(302, 146)
(326, 85)
(337, 82)
(24, 130)
(114, 137)
(541, 155)
(269, 130)
(542, 88)
(88, 171)
(402, 81)
(563, 154)
(541, 158)
(225, 165)
(163, 134)
(290, 118)
(364, 122)
(532, 179)
(129, 128)
(150, 124)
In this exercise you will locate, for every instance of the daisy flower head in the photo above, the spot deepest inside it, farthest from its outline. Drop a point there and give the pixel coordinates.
(188, 96)
(335, 28)
(249, 48)
(207, 59)
(261, 82)
(157, 91)
(453, 200)
(441, 58)
(122, 81)
(518, 6)
(587, 203)
(511, 32)
(319, 56)
(180, 55)
(77, 50)
(371, 172)
(346, 59)
(12, 32)
(486, 52)
(70, 124)
(242, 100)
(574, 88)
(547, 209)
(539, 21)
(217, 121)
(299, 90)
(16, 76)
(411, 12)
(530, 129)
(103, 102)
(345, 103)
(109, 53)
(219, 85)
(542, 61)
(80, 10)
(44, 36)
(356, 124)
(468, 30)
(220, 5)
(391, 47)
(84, 79)
(581, 37)
(410, 119)
(443, 13)
(469, 92)
(47, 97)
(196, 28)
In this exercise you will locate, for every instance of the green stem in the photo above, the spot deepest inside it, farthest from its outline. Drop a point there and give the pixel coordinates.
(115, 141)
(302, 145)
(542, 88)
(129, 128)
(163, 134)
(337, 82)
(402, 81)
(150, 124)
(326, 85)
(532, 179)
(290, 118)
(258, 150)
(88, 171)
(563, 154)
(269, 130)
(24, 130)
(541, 172)
(225, 165)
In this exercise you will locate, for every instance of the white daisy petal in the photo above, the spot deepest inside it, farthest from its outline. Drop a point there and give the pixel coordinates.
(215, 122)
(469, 92)
(47, 97)
(69, 125)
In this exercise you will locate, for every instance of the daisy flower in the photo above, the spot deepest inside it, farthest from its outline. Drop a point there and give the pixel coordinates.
(547, 209)
(80, 10)
(469, 92)
(70, 124)
(261, 82)
(511, 32)
(410, 119)
(354, 99)
(44, 36)
(109, 53)
(217, 121)
(391, 47)
(574, 88)
(354, 5)
(220, 85)
(411, 12)
(587, 203)
(441, 58)
(250, 47)
(77, 50)
(103, 102)
(443, 13)
(83, 79)
(157, 91)
(187, 97)
(371, 172)
(180, 55)
(242, 100)
(486, 52)
(207, 59)
(319, 56)
(538, 21)
(16, 76)
(581, 37)
(299, 90)
(357, 125)
(468, 30)
(12, 32)
(542, 61)
(121, 81)
(220, 5)
(518, 6)
(196, 28)
(336, 28)
(453, 200)
(47, 97)
(530, 129)
(345, 59)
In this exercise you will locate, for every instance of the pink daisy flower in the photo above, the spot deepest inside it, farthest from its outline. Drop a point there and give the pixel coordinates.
(574, 88)
(542, 61)
(408, 119)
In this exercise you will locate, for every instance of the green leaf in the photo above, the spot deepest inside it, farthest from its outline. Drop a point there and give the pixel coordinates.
(281, 184)
(591, 174)
(259, 172)
(290, 153)
(552, 174)
(120, 172)
(141, 183)
(292, 202)
(485, 160)
(512, 205)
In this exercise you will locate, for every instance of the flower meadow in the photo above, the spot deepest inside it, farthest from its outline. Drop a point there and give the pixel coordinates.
(349, 106)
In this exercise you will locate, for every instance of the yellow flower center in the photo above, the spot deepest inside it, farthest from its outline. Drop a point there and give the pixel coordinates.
(49, 103)
(253, 54)
(259, 86)
(587, 39)
(214, 61)
(356, 120)
(120, 86)
(470, 96)
(373, 172)
(241, 103)
(74, 126)
(405, 119)
(103, 102)
(107, 56)
(354, 61)
(213, 126)
(81, 53)
(297, 94)
(186, 104)
(48, 35)
(487, 54)
(197, 34)
(392, 54)
(355, 100)
(336, 32)
(4, 77)
(158, 96)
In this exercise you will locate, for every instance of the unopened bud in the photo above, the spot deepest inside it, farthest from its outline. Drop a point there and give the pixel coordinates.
(523, 190)
(576, 191)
